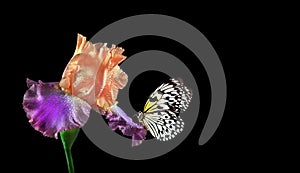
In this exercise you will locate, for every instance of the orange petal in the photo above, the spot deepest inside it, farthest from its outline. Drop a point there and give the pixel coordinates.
(117, 79)
(93, 73)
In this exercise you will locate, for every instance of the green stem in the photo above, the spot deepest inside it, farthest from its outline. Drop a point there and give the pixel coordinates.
(67, 138)
(69, 160)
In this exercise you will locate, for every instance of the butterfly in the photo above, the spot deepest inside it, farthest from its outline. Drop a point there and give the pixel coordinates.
(161, 111)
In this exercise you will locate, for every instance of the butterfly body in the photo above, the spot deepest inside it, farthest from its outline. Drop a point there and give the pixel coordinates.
(161, 111)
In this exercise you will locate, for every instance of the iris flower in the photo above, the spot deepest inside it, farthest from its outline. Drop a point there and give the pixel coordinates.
(91, 80)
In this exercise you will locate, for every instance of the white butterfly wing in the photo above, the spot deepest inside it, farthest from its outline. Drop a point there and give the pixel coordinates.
(161, 111)
(163, 125)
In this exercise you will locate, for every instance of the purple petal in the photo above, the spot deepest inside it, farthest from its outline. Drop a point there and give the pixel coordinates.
(51, 111)
(118, 119)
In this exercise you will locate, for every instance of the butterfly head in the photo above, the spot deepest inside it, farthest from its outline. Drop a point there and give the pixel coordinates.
(140, 116)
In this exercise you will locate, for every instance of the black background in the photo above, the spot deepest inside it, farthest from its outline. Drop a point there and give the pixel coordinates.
(44, 41)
